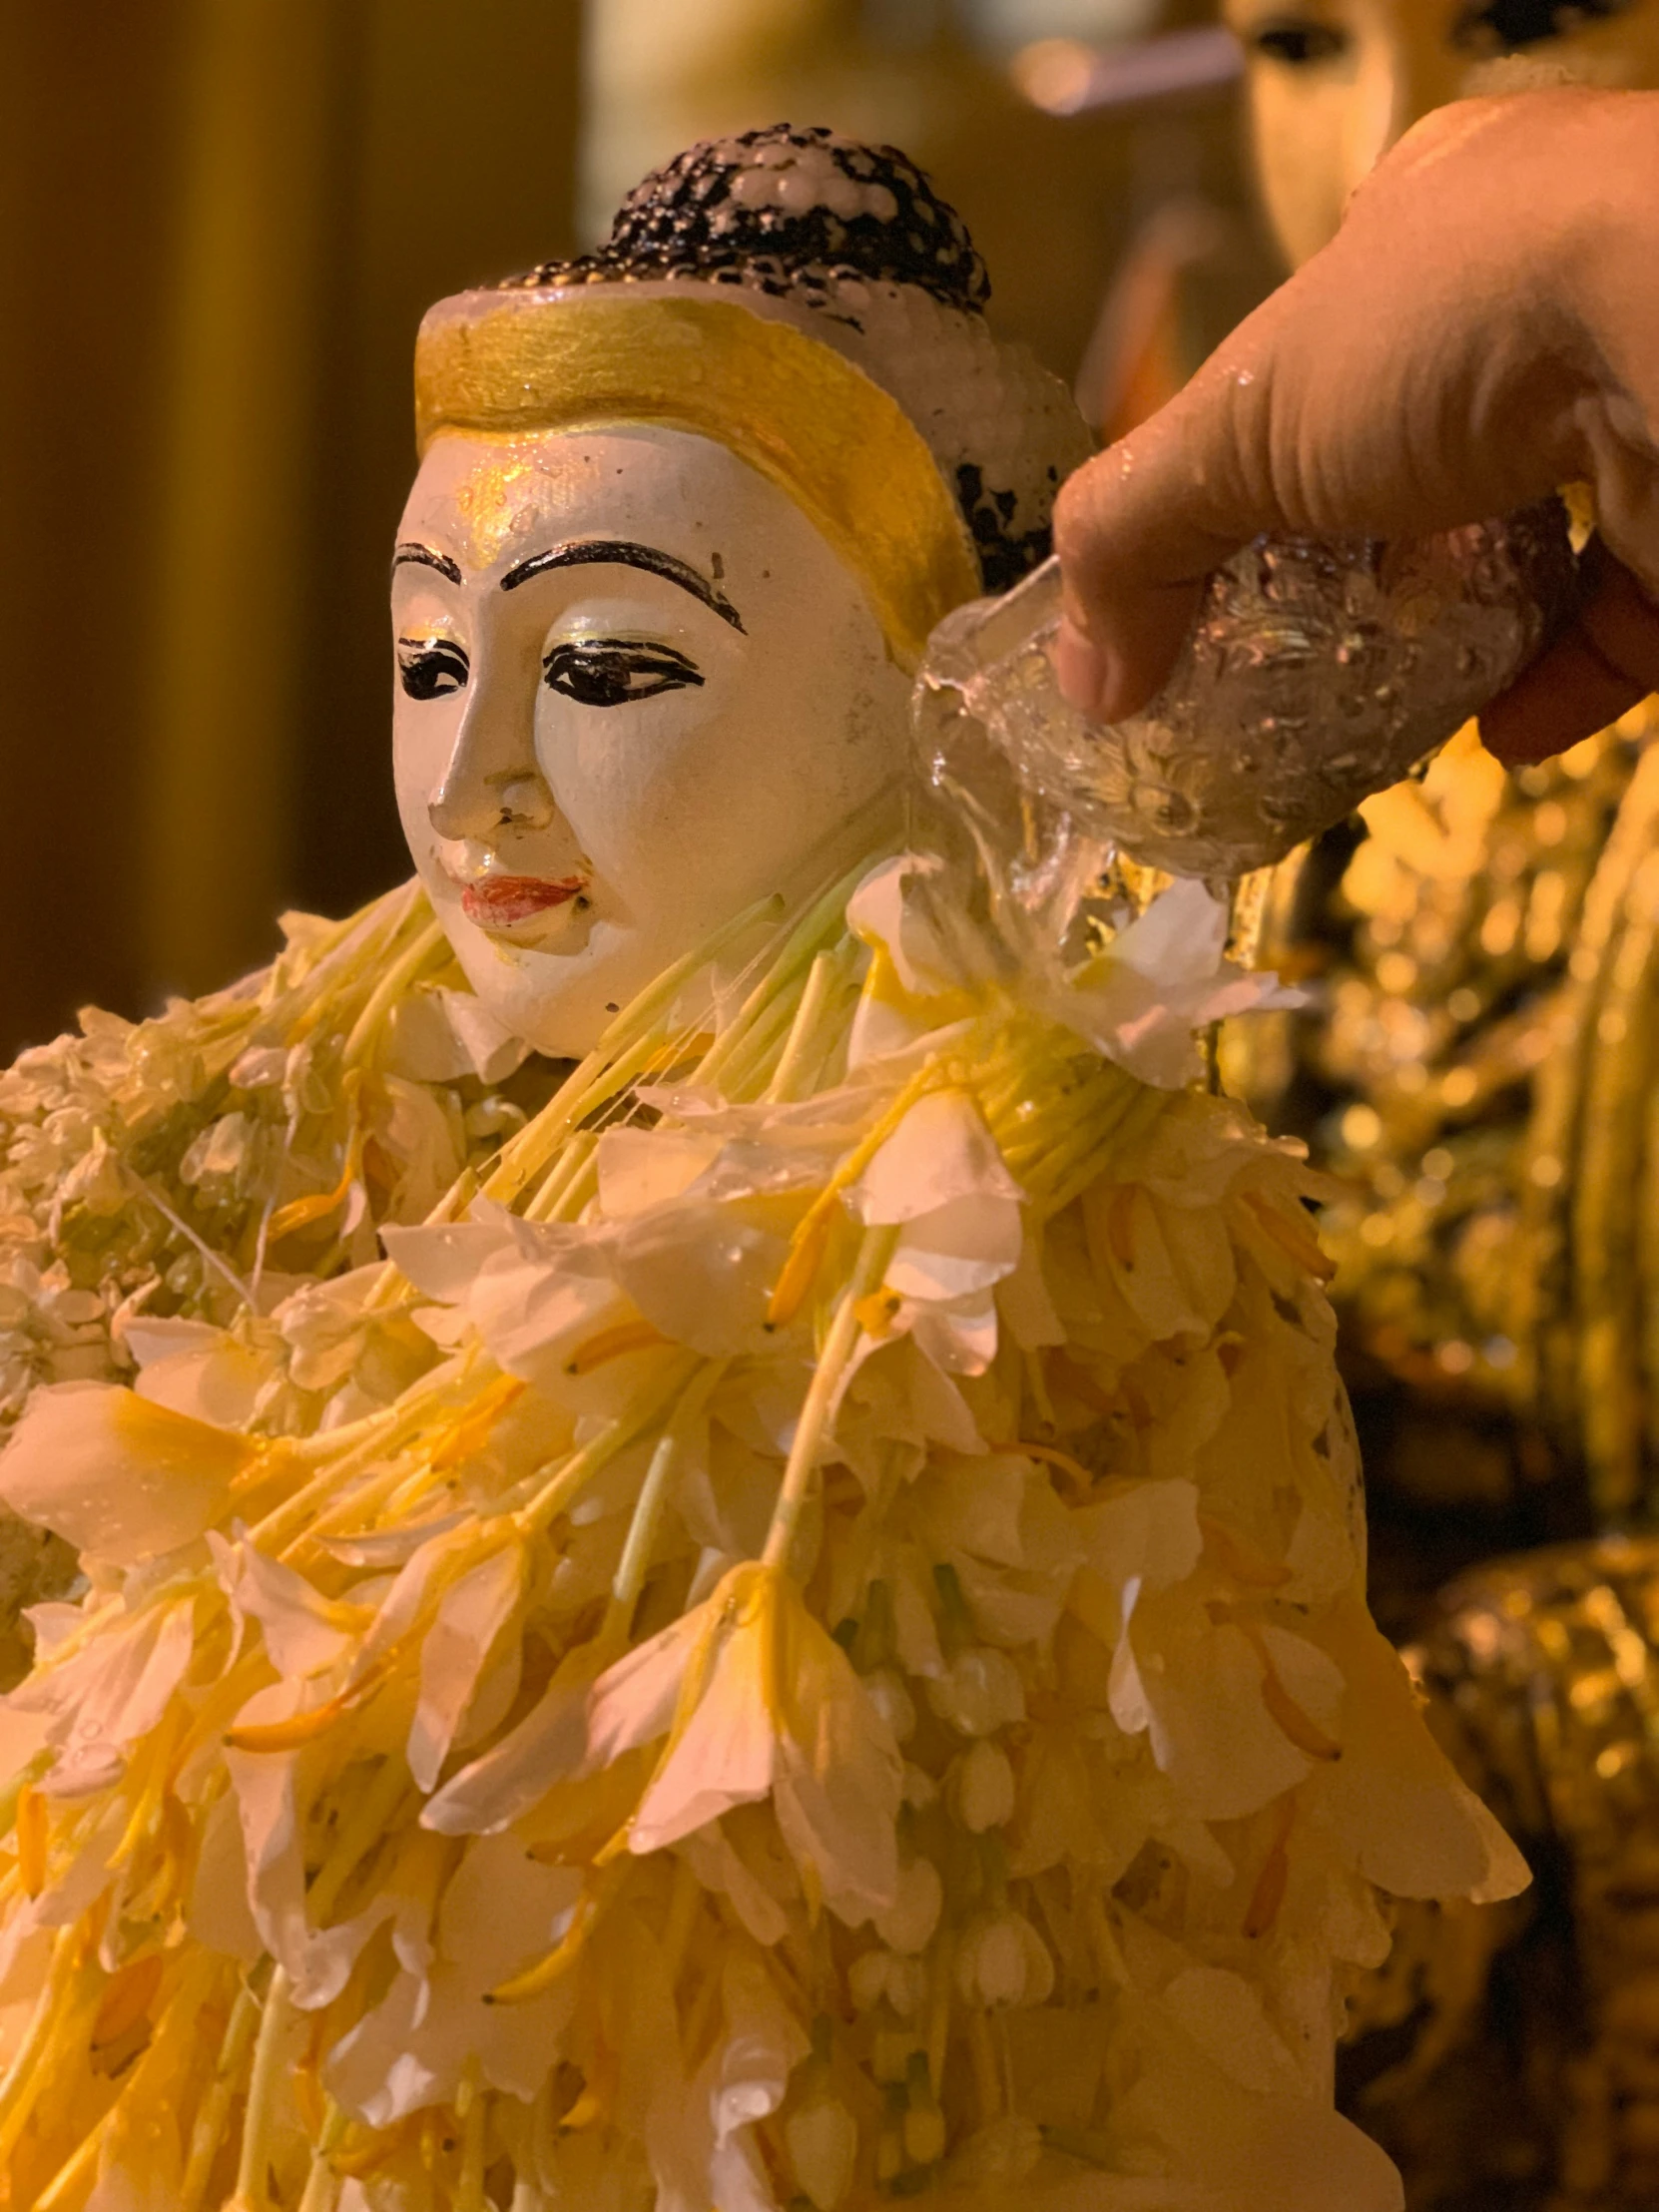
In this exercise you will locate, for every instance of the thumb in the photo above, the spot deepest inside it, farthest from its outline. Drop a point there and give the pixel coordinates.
(1594, 672)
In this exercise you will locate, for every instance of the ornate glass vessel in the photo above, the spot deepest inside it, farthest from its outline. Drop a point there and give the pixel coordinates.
(1314, 675)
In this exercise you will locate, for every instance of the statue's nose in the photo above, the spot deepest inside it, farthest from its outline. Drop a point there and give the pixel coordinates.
(483, 807)
(493, 780)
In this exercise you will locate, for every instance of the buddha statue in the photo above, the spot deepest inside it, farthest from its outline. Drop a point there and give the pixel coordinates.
(719, 1551)
(1475, 1070)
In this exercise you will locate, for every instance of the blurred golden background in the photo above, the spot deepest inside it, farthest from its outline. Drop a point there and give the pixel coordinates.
(222, 220)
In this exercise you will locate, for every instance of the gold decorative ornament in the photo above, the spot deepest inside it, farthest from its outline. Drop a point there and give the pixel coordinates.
(1475, 1070)
(1529, 2072)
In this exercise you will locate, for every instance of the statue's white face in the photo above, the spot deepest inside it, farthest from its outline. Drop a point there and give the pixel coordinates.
(636, 690)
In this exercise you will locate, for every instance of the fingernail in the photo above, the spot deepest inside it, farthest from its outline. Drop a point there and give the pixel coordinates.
(1084, 669)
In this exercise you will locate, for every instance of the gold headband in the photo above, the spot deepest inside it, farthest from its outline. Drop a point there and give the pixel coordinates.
(820, 429)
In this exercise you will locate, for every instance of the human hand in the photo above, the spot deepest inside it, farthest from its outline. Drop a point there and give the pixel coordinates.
(1484, 329)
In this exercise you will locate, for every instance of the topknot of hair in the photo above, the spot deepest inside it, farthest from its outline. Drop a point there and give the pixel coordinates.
(796, 211)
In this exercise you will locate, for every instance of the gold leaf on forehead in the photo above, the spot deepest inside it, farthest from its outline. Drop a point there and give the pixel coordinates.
(497, 503)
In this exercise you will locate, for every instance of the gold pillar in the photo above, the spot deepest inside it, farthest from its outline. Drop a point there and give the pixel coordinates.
(243, 358)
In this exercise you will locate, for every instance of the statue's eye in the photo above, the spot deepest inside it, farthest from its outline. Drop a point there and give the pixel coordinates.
(1297, 42)
(430, 668)
(609, 672)
(1507, 26)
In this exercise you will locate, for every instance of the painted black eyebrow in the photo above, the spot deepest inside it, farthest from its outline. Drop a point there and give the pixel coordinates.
(409, 551)
(649, 557)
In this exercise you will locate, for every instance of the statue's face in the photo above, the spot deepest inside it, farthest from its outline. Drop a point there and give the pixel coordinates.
(1332, 82)
(635, 690)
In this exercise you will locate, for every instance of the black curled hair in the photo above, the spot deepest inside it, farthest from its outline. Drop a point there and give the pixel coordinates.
(690, 219)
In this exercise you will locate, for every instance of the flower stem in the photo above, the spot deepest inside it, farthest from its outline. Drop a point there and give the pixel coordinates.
(804, 940)
(566, 1170)
(259, 2120)
(827, 971)
(654, 1491)
(365, 1029)
(766, 1035)
(623, 1051)
(29, 2072)
(215, 2107)
(474, 2112)
(874, 1255)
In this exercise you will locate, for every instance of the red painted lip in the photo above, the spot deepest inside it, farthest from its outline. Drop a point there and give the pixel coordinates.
(497, 901)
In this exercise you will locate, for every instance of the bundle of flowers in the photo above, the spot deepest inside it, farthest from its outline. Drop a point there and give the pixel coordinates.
(800, 1641)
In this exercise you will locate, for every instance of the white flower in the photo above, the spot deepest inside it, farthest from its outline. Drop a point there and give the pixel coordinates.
(500, 1913)
(996, 1520)
(1236, 1714)
(533, 1293)
(1215, 2140)
(473, 1620)
(978, 1691)
(923, 939)
(548, 1746)
(1396, 1806)
(549, 1299)
(1238, 1709)
(702, 2131)
(724, 1872)
(822, 2137)
(195, 1368)
(641, 1167)
(940, 1178)
(1160, 982)
(984, 1788)
(305, 1633)
(1002, 1962)
(909, 1923)
(275, 1793)
(331, 1331)
(756, 1700)
(924, 957)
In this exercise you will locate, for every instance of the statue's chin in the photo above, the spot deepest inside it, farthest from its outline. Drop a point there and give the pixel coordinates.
(559, 1002)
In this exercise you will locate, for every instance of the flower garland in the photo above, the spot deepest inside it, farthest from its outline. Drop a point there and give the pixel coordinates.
(802, 1640)
(223, 1155)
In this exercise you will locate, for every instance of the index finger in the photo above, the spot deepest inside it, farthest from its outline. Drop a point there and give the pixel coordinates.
(1139, 528)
